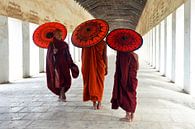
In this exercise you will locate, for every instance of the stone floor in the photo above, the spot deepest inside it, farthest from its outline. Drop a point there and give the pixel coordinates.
(28, 104)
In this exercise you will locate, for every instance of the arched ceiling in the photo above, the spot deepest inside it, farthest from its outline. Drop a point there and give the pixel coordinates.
(141, 15)
(118, 13)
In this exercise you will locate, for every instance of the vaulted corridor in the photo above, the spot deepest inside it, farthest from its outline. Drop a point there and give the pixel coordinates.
(166, 90)
(28, 104)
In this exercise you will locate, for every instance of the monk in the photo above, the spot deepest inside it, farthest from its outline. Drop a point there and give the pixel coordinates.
(58, 63)
(94, 68)
(125, 84)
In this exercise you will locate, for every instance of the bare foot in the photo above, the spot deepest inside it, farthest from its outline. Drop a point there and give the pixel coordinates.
(62, 97)
(125, 119)
(94, 105)
(99, 106)
(132, 116)
(128, 118)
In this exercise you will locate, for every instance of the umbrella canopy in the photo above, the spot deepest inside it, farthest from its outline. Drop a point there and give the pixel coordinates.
(43, 35)
(124, 40)
(89, 33)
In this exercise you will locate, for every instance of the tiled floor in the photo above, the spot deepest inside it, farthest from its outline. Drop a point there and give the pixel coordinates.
(28, 104)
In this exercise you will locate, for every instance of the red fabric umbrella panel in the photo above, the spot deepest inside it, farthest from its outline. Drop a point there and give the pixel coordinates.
(124, 40)
(89, 33)
(43, 35)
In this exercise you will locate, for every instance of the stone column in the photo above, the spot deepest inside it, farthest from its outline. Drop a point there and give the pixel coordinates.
(162, 46)
(157, 47)
(151, 48)
(26, 49)
(154, 46)
(165, 48)
(173, 47)
(4, 50)
(41, 60)
(192, 46)
(15, 49)
(159, 40)
(179, 67)
(187, 44)
(34, 52)
(169, 46)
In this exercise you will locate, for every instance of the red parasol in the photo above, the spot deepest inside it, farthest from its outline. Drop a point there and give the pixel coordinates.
(43, 35)
(124, 40)
(90, 33)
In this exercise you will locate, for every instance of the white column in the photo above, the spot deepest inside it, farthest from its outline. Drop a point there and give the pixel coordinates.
(4, 50)
(41, 60)
(187, 44)
(34, 52)
(26, 49)
(151, 48)
(71, 46)
(192, 43)
(146, 48)
(173, 46)
(79, 54)
(169, 46)
(157, 48)
(45, 54)
(159, 39)
(162, 47)
(165, 48)
(179, 46)
(76, 54)
(154, 46)
(15, 49)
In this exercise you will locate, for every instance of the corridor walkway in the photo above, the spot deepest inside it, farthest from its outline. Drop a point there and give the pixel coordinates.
(28, 104)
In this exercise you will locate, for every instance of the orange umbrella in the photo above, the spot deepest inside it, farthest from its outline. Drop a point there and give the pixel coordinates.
(43, 35)
(124, 40)
(89, 33)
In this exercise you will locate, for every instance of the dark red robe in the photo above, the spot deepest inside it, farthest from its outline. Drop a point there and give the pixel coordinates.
(125, 82)
(62, 64)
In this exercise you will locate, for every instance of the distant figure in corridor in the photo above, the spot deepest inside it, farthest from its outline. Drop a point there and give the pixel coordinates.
(94, 68)
(58, 63)
(125, 84)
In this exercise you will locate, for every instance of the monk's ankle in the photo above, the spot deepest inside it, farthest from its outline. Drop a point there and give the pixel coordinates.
(99, 105)
(94, 105)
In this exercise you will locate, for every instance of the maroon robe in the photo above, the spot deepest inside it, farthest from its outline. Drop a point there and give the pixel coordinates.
(61, 61)
(125, 82)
